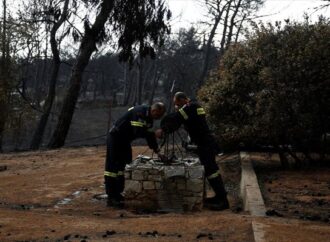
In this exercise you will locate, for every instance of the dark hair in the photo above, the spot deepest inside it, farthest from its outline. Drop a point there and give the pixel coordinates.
(158, 106)
(180, 95)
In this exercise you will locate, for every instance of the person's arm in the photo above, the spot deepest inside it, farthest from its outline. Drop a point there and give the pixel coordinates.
(152, 142)
(142, 129)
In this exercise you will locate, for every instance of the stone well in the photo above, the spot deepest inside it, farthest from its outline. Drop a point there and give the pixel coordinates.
(154, 186)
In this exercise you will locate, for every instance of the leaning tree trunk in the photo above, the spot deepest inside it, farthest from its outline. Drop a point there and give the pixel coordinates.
(140, 81)
(39, 132)
(4, 73)
(209, 45)
(232, 24)
(224, 31)
(154, 84)
(87, 47)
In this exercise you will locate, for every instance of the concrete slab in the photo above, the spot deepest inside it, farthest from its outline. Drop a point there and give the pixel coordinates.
(251, 195)
(258, 231)
(250, 190)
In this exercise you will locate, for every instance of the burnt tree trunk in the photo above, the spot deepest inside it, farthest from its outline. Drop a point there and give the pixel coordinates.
(39, 132)
(224, 32)
(232, 24)
(154, 84)
(140, 81)
(3, 77)
(239, 28)
(209, 45)
(87, 47)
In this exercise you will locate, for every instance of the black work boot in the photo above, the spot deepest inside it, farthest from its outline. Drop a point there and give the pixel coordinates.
(115, 202)
(115, 199)
(219, 201)
(120, 183)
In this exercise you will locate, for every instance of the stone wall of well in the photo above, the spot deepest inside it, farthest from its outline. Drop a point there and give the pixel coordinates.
(154, 186)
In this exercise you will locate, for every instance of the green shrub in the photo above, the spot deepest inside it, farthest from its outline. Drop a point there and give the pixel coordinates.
(274, 89)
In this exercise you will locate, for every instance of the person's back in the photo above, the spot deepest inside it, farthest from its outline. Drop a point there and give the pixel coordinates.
(195, 123)
(134, 123)
(192, 115)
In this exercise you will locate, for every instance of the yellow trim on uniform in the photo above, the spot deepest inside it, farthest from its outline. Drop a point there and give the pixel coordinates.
(200, 111)
(111, 174)
(130, 108)
(183, 113)
(214, 175)
(138, 124)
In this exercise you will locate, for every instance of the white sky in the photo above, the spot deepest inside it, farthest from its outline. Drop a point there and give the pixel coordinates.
(186, 12)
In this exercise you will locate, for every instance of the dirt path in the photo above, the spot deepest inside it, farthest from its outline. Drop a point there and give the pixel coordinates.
(48, 196)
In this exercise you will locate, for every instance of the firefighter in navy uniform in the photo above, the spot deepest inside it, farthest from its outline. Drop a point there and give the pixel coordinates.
(135, 123)
(192, 116)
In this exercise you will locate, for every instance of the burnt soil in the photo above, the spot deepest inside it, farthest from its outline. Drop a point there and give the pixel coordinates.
(302, 194)
(49, 196)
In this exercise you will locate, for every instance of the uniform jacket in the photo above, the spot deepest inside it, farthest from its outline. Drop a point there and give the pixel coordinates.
(136, 123)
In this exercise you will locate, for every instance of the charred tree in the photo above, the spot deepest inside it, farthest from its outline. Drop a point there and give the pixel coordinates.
(133, 26)
(39, 132)
(217, 10)
(4, 75)
(92, 35)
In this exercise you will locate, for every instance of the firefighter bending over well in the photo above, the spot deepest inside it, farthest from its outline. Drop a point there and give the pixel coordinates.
(192, 116)
(135, 123)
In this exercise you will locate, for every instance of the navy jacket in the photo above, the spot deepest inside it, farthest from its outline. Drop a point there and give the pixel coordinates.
(136, 123)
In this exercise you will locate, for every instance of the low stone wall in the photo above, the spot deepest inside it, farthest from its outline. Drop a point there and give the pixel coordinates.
(151, 185)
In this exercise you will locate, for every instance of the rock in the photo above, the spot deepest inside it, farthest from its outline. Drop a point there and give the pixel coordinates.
(66, 237)
(313, 217)
(3, 167)
(149, 185)
(133, 186)
(155, 171)
(181, 185)
(128, 174)
(196, 172)
(273, 212)
(158, 185)
(112, 232)
(154, 178)
(173, 171)
(201, 235)
(139, 175)
(195, 185)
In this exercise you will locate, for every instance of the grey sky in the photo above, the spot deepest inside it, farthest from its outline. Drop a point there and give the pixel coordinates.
(186, 12)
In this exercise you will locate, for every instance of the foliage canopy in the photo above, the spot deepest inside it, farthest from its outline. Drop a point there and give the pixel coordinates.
(274, 89)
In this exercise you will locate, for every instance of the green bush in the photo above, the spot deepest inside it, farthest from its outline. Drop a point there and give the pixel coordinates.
(274, 89)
